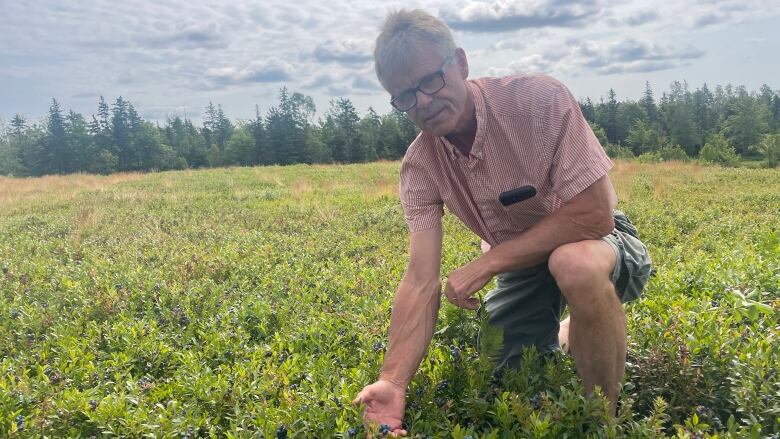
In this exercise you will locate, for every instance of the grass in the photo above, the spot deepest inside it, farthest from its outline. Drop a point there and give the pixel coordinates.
(228, 302)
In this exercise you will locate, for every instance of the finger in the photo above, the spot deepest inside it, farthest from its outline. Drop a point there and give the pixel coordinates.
(472, 303)
(398, 433)
(360, 398)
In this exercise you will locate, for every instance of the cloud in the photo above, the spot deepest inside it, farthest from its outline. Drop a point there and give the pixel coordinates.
(269, 70)
(709, 19)
(520, 40)
(344, 51)
(85, 95)
(641, 17)
(366, 83)
(623, 56)
(508, 15)
(630, 55)
(187, 37)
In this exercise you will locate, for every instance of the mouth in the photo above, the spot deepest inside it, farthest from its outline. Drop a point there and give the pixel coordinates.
(434, 115)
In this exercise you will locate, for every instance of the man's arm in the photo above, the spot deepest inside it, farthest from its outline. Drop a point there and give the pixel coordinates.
(415, 309)
(588, 215)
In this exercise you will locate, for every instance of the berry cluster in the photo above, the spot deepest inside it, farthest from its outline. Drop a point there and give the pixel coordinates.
(281, 432)
(188, 434)
(536, 401)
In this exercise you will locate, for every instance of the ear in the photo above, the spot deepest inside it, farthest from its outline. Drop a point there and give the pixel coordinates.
(463, 63)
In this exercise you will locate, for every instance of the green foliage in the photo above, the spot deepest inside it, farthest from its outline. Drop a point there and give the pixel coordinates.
(643, 137)
(117, 139)
(770, 149)
(226, 303)
(664, 154)
(618, 152)
(718, 150)
(599, 132)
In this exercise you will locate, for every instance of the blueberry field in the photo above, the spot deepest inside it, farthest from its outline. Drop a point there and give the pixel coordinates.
(254, 302)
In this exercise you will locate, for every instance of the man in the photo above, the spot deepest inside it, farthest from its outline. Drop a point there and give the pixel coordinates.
(565, 245)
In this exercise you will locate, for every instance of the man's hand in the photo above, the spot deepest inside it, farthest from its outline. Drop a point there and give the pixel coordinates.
(464, 282)
(384, 405)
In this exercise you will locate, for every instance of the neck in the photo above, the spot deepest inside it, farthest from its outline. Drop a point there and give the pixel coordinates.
(466, 129)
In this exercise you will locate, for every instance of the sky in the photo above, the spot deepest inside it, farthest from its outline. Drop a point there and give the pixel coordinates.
(173, 57)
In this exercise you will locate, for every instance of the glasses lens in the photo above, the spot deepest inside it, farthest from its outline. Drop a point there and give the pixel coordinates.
(404, 102)
(432, 84)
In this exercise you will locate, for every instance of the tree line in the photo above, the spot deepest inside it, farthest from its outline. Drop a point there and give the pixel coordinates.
(728, 121)
(116, 139)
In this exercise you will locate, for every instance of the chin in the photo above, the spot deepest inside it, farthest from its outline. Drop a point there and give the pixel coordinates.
(439, 128)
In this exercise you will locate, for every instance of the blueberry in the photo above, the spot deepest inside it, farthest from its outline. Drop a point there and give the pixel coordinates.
(5, 269)
(352, 432)
(701, 410)
(378, 346)
(455, 352)
(420, 392)
(536, 402)
(93, 404)
(384, 429)
(188, 434)
(19, 422)
(281, 432)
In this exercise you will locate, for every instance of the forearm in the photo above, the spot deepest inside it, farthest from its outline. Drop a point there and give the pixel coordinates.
(568, 224)
(412, 324)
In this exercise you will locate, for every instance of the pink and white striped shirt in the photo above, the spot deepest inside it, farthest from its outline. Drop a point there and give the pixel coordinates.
(530, 131)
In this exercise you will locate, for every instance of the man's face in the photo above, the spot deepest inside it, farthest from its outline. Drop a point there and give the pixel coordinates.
(436, 114)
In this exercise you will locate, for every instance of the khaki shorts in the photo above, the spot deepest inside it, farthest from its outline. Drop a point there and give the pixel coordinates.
(528, 303)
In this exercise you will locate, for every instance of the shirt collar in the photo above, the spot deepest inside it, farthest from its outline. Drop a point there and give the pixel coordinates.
(479, 138)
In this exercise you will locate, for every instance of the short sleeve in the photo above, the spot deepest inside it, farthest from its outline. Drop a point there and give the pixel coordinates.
(422, 204)
(578, 160)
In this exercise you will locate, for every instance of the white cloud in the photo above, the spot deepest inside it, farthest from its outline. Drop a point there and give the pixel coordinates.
(269, 70)
(163, 55)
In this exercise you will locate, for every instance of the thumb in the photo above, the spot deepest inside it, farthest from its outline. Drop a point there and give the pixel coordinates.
(362, 397)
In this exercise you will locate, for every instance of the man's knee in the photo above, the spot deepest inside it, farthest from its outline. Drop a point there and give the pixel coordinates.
(580, 268)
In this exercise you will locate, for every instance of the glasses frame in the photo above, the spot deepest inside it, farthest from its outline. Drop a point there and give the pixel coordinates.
(414, 90)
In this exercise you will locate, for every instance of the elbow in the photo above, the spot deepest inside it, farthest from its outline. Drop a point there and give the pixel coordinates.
(606, 225)
(597, 223)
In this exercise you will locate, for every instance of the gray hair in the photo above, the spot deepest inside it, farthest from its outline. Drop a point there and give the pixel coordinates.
(401, 35)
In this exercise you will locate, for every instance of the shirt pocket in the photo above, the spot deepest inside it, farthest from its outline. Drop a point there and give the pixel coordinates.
(525, 214)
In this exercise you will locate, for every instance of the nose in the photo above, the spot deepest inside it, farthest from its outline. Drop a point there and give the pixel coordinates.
(423, 99)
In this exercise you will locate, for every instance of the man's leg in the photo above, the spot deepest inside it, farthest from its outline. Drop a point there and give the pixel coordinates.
(597, 325)
(563, 334)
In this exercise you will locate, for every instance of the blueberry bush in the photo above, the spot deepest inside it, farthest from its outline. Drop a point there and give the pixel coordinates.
(254, 302)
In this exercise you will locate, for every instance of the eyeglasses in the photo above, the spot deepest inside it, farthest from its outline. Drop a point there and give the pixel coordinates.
(429, 85)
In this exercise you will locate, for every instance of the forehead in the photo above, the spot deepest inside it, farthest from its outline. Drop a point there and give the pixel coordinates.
(405, 75)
